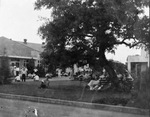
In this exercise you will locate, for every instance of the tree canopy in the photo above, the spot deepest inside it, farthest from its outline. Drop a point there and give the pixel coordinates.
(81, 31)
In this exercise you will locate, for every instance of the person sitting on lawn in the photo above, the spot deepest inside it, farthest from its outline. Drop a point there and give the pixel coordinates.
(45, 83)
(18, 78)
(48, 75)
(36, 78)
(86, 76)
(96, 83)
(30, 76)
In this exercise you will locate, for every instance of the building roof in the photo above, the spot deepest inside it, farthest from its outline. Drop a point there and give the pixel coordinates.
(35, 46)
(19, 49)
(137, 58)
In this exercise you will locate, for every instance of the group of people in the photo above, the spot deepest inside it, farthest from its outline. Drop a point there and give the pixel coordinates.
(20, 74)
(96, 82)
(34, 75)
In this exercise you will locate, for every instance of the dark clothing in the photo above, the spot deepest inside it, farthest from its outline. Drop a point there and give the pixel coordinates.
(17, 73)
(43, 85)
(23, 78)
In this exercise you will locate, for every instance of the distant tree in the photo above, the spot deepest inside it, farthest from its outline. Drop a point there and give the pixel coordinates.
(83, 30)
(41, 71)
(142, 31)
(30, 66)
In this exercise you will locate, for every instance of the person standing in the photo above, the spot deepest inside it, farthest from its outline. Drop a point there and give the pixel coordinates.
(24, 74)
(17, 70)
(35, 71)
(14, 71)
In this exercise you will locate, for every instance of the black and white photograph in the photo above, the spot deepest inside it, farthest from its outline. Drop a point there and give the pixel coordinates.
(74, 58)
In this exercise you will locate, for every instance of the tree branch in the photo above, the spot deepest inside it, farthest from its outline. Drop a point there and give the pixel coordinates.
(83, 35)
(129, 44)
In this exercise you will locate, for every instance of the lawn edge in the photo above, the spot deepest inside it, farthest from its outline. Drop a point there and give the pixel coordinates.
(123, 109)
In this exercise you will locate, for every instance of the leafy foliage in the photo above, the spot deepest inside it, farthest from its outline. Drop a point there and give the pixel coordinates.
(81, 31)
(142, 31)
(30, 66)
(4, 70)
(41, 71)
(118, 66)
(141, 93)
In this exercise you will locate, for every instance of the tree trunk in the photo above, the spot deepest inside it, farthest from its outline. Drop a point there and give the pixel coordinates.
(106, 65)
(112, 75)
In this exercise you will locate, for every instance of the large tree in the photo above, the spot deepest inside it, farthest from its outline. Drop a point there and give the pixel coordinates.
(81, 31)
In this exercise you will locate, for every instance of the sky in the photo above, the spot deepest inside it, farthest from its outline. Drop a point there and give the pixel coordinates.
(19, 20)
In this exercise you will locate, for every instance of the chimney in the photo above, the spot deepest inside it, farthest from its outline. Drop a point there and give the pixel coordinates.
(25, 41)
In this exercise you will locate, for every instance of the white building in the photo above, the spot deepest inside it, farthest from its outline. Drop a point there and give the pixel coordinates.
(138, 63)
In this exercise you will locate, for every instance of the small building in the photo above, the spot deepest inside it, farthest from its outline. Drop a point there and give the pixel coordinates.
(20, 53)
(138, 63)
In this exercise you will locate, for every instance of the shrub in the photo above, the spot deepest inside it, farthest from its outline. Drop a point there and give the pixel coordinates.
(30, 66)
(41, 71)
(141, 92)
(5, 71)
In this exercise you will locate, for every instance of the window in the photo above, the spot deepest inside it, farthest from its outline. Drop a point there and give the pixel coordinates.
(39, 62)
(15, 62)
(25, 63)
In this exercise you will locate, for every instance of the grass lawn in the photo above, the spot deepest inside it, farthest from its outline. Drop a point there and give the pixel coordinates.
(66, 90)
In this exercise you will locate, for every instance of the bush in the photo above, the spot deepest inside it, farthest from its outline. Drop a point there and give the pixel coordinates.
(5, 71)
(30, 66)
(41, 71)
(141, 92)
